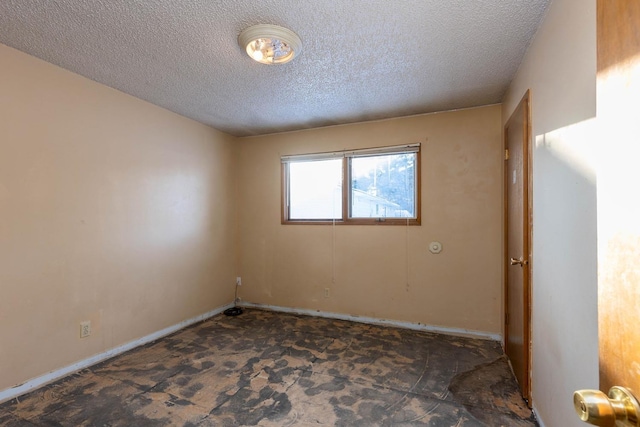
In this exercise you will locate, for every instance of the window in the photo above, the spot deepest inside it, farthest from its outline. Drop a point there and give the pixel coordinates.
(371, 186)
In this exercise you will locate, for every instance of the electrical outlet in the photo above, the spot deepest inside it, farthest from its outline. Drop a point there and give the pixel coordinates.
(326, 292)
(239, 281)
(85, 328)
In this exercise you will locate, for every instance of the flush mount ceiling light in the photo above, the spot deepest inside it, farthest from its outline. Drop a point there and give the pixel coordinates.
(270, 44)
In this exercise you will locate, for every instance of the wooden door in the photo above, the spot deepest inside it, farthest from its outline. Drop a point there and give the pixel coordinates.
(517, 238)
(618, 121)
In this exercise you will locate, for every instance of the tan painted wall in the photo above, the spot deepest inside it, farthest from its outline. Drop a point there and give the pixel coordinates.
(111, 210)
(384, 272)
(560, 69)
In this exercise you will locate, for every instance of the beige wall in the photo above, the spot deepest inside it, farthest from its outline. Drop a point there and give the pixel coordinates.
(560, 69)
(385, 272)
(111, 210)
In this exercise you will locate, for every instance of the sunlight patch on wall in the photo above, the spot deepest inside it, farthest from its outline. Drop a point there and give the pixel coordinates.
(576, 145)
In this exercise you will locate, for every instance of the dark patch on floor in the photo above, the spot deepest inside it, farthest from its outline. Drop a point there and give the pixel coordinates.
(273, 369)
(503, 396)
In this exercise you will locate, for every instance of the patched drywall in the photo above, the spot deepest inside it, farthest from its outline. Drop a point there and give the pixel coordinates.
(112, 210)
(384, 272)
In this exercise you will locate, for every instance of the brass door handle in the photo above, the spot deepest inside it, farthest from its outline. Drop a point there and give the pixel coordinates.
(594, 407)
(520, 261)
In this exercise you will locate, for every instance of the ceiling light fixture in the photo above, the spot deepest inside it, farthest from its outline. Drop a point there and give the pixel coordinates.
(270, 44)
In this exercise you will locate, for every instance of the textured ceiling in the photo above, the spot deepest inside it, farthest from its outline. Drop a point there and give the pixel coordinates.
(361, 59)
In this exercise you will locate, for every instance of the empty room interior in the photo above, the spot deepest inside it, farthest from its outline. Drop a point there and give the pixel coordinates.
(331, 174)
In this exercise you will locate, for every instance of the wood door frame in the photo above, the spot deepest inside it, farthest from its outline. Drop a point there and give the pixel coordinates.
(527, 238)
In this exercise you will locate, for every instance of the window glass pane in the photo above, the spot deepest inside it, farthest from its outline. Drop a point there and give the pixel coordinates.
(383, 186)
(315, 189)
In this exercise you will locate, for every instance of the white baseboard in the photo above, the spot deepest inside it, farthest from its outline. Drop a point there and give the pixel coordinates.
(375, 321)
(538, 419)
(34, 383)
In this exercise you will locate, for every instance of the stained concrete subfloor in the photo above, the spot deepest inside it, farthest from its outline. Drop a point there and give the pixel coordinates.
(272, 369)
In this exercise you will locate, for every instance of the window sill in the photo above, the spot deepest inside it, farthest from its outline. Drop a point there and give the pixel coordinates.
(358, 221)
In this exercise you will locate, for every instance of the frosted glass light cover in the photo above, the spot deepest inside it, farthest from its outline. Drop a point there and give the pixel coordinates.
(270, 44)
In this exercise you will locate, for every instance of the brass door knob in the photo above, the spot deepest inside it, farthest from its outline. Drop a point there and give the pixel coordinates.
(519, 261)
(620, 408)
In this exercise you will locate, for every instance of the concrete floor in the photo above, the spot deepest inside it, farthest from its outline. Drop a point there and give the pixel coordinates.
(273, 369)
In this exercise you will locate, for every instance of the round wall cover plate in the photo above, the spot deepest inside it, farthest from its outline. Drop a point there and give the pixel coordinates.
(435, 247)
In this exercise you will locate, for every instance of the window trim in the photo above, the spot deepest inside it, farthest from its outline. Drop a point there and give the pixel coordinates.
(346, 155)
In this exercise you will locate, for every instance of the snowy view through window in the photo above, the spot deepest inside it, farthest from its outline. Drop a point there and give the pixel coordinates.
(382, 186)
